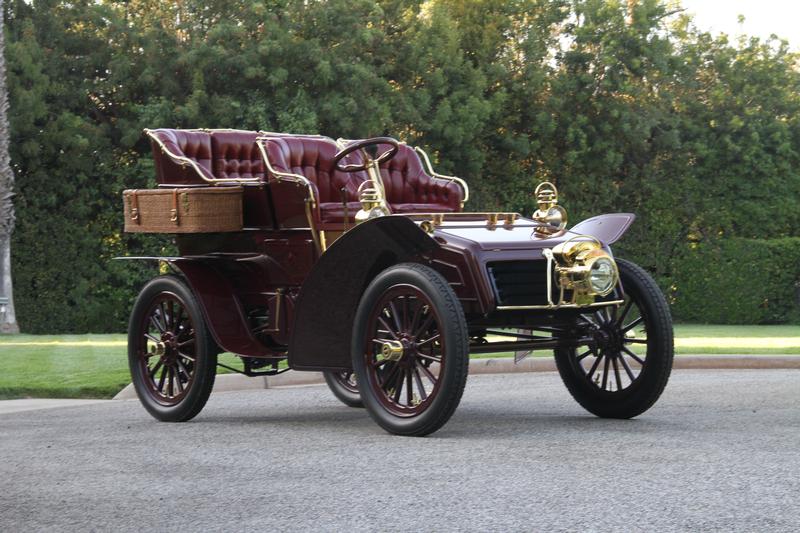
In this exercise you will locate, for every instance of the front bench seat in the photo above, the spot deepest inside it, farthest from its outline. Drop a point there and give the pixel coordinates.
(410, 189)
(312, 158)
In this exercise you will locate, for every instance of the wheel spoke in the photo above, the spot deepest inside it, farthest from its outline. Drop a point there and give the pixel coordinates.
(187, 357)
(398, 387)
(429, 339)
(409, 389)
(616, 374)
(586, 354)
(157, 324)
(627, 367)
(422, 394)
(177, 320)
(429, 357)
(389, 374)
(424, 327)
(633, 355)
(605, 373)
(636, 341)
(151, 337)
(161, 380)
(395, 316)
(632, 325)
(624, 313)
(155, 369)
(594, 366)
(415, 318)
(428, 373)
(178, 380)
(386, 327)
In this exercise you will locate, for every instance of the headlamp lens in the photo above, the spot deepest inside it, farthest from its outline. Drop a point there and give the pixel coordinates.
(602, 276)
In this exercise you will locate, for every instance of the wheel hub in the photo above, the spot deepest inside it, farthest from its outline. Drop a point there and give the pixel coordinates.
(392, 350)
(609, 339)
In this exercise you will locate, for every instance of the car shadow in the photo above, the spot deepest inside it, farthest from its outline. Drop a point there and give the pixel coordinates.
(467, 422)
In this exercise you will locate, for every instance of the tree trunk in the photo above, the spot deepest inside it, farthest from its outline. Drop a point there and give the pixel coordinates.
(8, 318)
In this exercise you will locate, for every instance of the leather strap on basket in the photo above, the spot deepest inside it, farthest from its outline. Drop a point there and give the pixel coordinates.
(134, 203)
(174, 211)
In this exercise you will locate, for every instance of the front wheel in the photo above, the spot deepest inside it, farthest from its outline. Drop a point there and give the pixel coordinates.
(172, 358)
(624, 370)
(410, 350)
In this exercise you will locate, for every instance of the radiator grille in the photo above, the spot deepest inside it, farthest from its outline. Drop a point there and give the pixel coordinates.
(520, 282)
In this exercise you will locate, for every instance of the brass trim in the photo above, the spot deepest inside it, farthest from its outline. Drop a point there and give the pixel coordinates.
(452, 179)
(312, 227)
(556, 306)
(183, 161)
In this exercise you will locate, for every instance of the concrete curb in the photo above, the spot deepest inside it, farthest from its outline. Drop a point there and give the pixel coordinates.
(503, 365)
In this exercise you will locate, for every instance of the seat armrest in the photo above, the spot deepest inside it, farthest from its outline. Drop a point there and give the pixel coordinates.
(453, 179)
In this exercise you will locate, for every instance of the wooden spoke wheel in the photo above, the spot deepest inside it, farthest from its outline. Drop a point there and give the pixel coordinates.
(344, 386)
(410, 350)
(625, 368)
(170, 353)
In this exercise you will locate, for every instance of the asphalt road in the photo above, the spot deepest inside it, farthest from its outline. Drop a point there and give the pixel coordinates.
(719, 452)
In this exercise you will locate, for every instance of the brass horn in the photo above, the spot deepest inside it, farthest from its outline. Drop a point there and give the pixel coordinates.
(551, 216)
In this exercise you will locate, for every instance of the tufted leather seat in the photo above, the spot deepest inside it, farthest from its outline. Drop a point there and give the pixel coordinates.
(409, 189)
(234, 154)
(191, 144)
(312, 157)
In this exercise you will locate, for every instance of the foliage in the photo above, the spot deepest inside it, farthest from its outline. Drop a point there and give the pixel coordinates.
(738, 281)
(693, 133)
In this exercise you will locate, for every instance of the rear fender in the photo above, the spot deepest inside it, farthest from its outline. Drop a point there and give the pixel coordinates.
(608, 228)
(326, 307)
(217, 298)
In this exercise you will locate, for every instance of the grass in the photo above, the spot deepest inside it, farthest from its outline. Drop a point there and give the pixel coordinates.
(95, 366)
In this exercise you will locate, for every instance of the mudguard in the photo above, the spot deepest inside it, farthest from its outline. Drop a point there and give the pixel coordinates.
(221, 309)
(607, 228)
(326, 307)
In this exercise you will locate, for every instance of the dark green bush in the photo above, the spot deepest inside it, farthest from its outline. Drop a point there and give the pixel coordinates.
(738, 281)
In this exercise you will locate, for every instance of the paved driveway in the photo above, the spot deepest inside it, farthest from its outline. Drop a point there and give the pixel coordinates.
(720, 452)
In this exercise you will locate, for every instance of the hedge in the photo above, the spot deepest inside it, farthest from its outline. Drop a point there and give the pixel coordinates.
(738, 281)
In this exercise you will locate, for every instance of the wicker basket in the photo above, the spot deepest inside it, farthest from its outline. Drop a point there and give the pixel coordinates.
(196, 210)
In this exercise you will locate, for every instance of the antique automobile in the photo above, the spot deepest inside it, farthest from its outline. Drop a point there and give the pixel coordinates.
(355, 258)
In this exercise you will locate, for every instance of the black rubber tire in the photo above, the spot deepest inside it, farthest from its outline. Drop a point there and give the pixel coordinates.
(345, 395)
(642, 394)
(454, 331)
(205, 353)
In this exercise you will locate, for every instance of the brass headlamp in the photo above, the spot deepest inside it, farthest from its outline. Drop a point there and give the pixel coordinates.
(584, 268)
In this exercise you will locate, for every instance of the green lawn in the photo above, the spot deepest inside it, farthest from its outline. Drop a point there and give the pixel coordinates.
(95, 366)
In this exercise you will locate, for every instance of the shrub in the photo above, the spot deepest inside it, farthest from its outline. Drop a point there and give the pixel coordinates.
(738, 281)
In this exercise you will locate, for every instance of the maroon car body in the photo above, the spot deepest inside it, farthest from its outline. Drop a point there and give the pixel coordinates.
(285, 291)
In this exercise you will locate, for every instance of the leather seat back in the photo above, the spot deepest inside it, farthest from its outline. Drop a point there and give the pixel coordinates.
(235, 155)
(410, 188)
(312, 157)
(194, 145)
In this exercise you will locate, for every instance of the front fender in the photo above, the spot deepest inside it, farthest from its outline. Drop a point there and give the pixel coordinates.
(608, 228)
(326, 307)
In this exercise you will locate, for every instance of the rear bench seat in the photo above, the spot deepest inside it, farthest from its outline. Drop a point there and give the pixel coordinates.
(185, 157)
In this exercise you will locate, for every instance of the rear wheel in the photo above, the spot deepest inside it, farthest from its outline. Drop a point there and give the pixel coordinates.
(410, 350)
(344, 386)
(624, 370)
(171, 355)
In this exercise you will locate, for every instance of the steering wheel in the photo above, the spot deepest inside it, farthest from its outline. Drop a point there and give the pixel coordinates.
(371, 147)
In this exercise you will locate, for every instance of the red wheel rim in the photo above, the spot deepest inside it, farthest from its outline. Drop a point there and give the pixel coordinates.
(167, 349)
(405, 383)
(347, 379)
